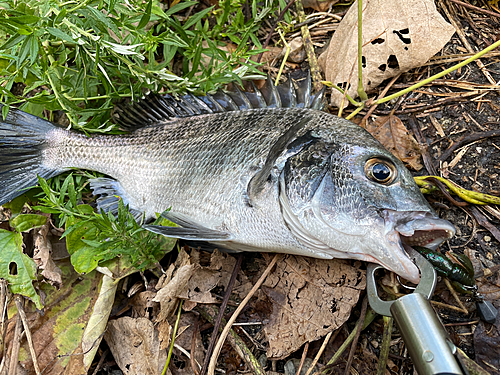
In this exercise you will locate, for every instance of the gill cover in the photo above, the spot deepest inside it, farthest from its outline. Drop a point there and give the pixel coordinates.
(323, 204)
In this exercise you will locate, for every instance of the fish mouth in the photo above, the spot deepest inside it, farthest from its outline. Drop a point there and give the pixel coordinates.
(428, 232)
(414, 229)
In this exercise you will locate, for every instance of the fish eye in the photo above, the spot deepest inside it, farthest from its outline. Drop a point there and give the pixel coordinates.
(381, 171)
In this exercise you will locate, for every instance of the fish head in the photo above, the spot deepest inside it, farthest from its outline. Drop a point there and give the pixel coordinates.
(348, 197)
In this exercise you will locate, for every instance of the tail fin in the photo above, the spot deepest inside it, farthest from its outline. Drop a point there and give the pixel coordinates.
(22, 140)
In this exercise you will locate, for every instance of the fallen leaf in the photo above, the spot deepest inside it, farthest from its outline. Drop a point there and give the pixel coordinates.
(42, 256)
(391, 132)
(57, 333)
(185, 339)
(487, 345)
(311, 297)
(174, 286)
(398, 35)
(164, 329)
(97, 321)
(135, 346)
(319, 5)
(297, 53)
(188, 280)
(472, 366)
(143, 305)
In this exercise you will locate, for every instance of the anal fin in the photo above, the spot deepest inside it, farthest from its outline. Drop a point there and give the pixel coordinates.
(188, 230)
(111, 191)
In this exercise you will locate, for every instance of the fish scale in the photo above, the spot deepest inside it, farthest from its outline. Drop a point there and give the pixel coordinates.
(240, 172)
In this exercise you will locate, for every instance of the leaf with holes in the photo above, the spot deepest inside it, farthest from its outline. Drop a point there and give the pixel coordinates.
(16, 267)
(398, 35)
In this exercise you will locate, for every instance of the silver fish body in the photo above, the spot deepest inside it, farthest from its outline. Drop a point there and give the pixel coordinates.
(289, 180)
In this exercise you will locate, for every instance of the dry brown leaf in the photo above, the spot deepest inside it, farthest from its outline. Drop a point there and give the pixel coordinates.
(319, 5)
(398, 35)
(311, 297)
(185, 339)
(135, 346)
(391, 132)
(143, 305)
(42, 256)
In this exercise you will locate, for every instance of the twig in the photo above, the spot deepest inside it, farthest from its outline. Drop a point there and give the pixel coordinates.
(3, 310)
(466, 44)
(446, 306)
(270, 35)
(454, 294)
(361, 92)
(22, 314)
(321, 350)
(485, 11)
(370, 315)
(209, 313)
(382, 94)
(424, 147)
(441, 74)
(222, 308)
(468, 139)
(101, 361)
(193, 345)
(426, 106)
(386, 345)
(172, 341)
(309, 47)
(16, 345)
(444, 191)
(218, 347)
(483, 221)
(302, 360)
(362, 316)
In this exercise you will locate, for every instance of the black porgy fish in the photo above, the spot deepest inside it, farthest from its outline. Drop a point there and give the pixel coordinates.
(263, 170)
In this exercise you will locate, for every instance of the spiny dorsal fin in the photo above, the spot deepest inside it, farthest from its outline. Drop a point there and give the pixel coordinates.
(154, 109)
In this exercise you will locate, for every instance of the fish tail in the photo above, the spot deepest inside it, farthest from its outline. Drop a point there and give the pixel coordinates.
(22, 142)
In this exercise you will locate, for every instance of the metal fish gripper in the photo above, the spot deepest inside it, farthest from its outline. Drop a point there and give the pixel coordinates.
(428, 343)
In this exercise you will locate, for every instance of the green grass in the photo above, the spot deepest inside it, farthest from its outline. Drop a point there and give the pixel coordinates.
(82, 56)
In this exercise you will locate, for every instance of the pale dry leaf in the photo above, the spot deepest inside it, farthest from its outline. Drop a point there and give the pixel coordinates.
(391, 132)
(135, 346)
(143, 305)
(174, 284)
(175, 289)
(297, 52)
(164, 330)
(42, 256)
(311, 297)
(398, 35)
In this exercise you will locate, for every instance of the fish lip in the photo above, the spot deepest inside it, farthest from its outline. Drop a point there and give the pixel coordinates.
(417, 228)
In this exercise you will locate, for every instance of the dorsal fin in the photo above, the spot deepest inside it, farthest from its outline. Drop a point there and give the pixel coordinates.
(154, 109)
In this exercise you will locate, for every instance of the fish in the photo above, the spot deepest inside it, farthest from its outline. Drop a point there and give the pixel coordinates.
(257, 170)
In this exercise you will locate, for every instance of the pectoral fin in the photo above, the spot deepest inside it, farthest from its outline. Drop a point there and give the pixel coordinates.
(110, 192)
(188, 230)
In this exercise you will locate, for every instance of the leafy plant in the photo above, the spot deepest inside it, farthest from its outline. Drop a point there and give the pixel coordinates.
(91, 53)
(93, 238)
